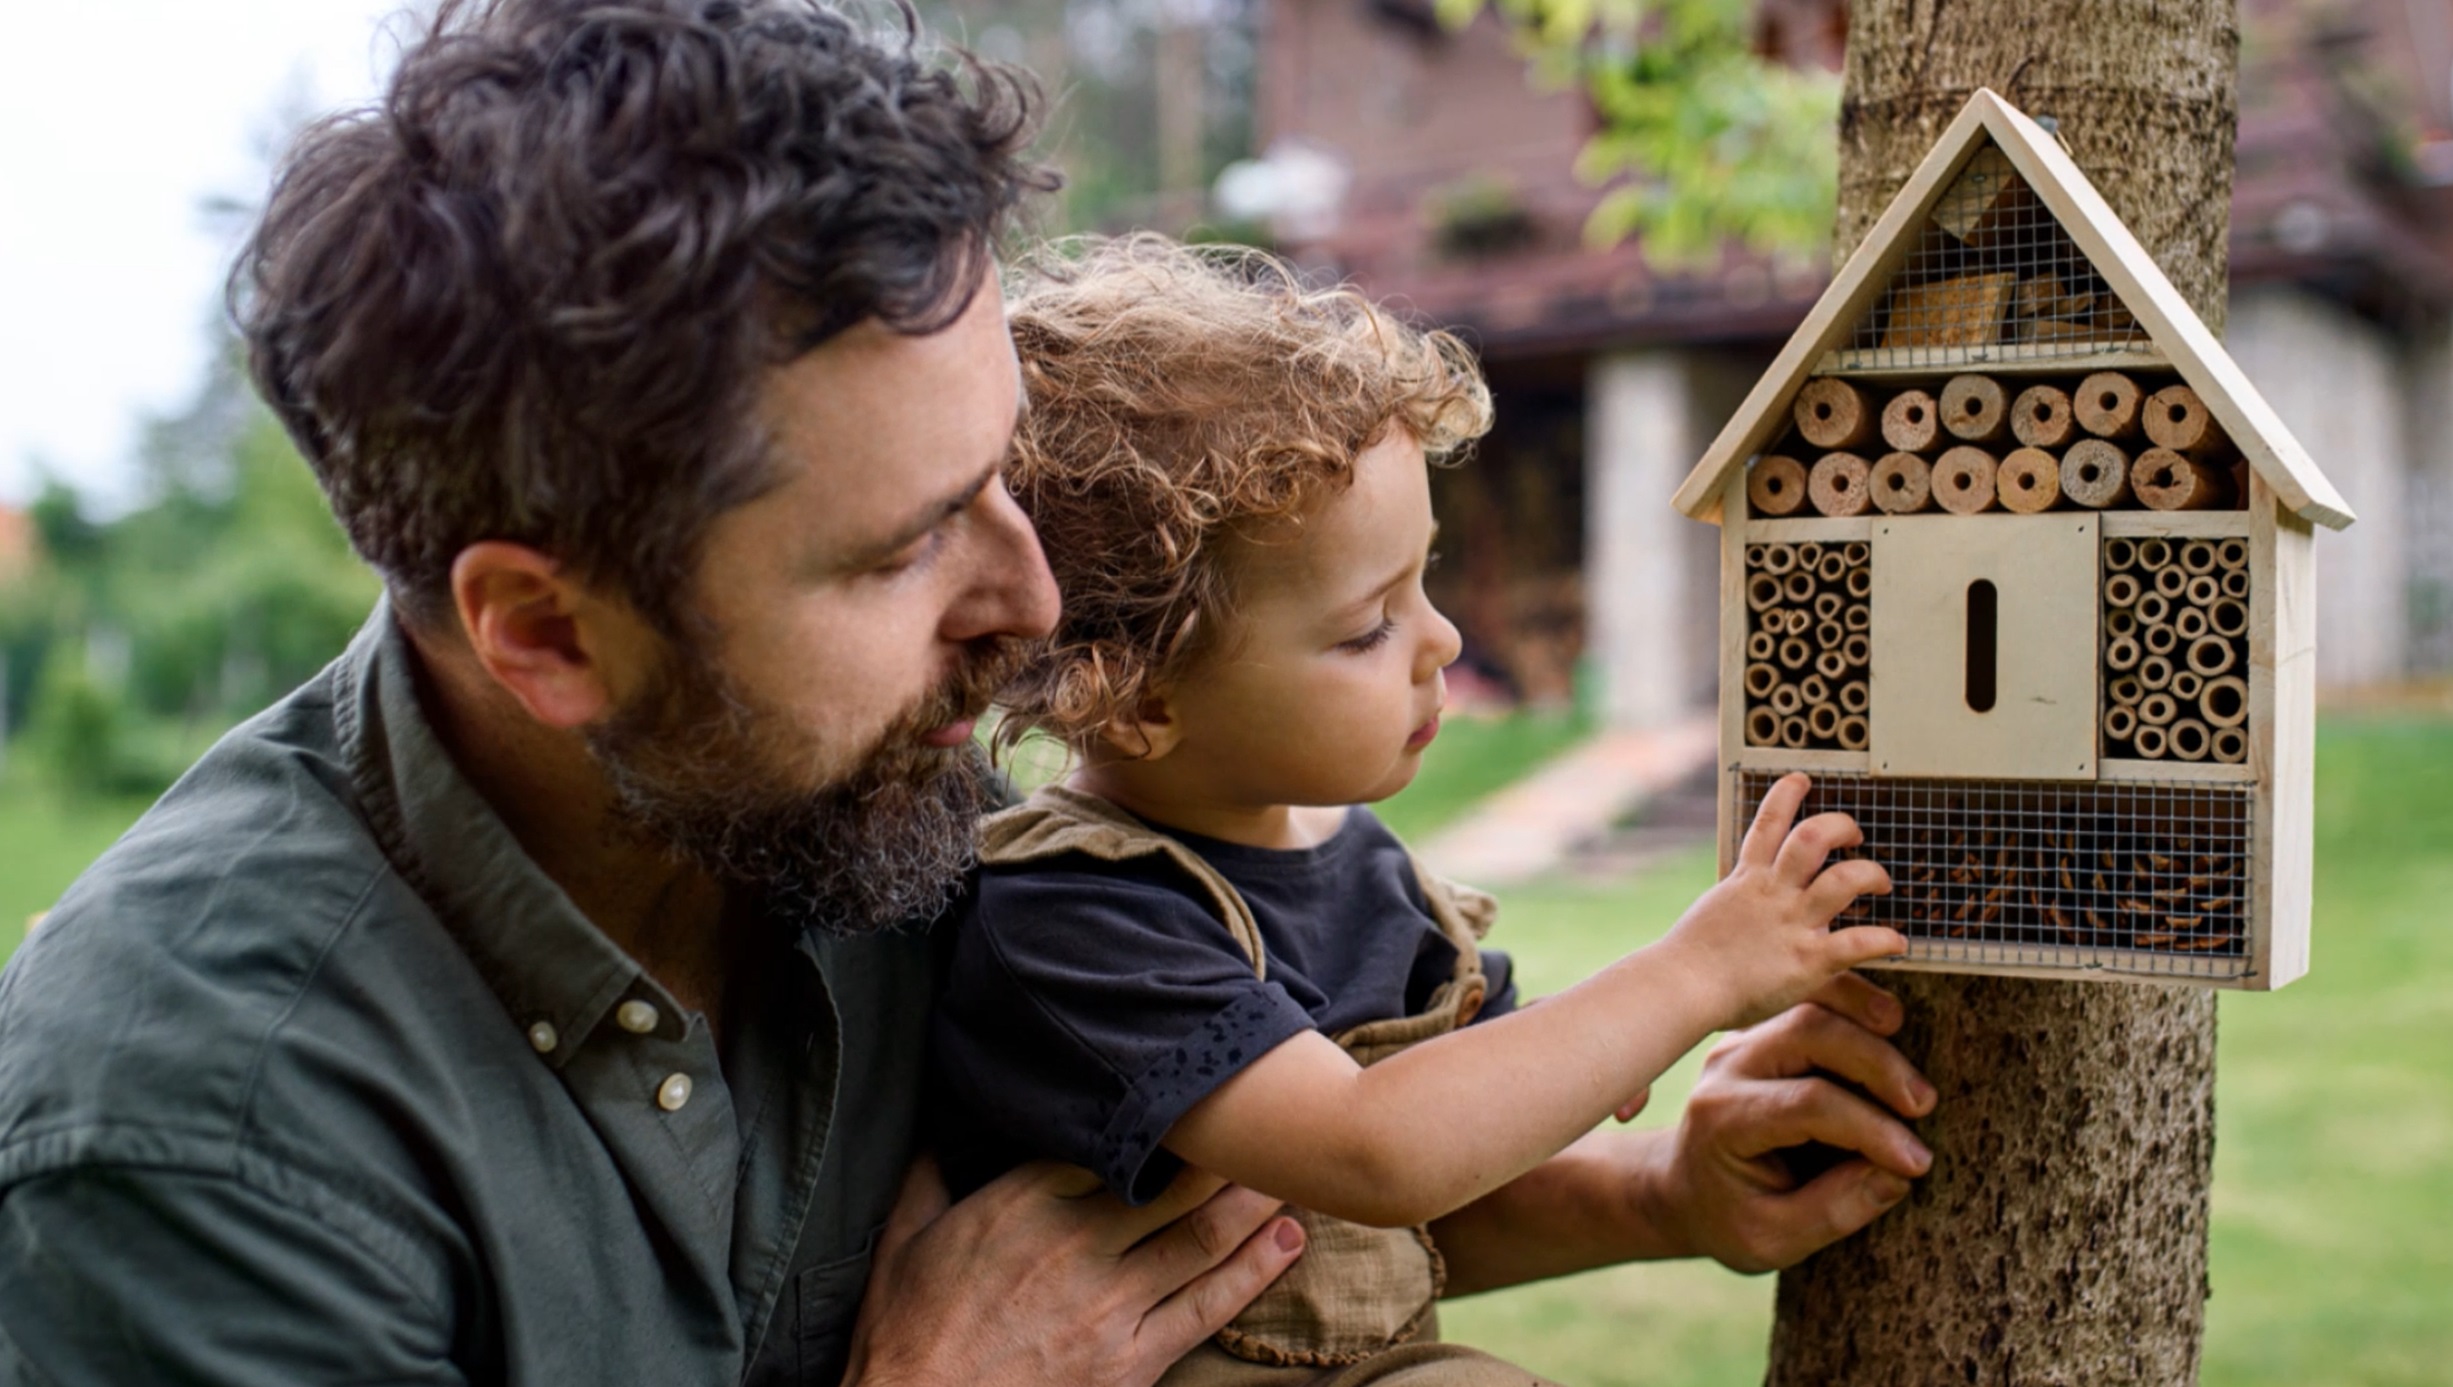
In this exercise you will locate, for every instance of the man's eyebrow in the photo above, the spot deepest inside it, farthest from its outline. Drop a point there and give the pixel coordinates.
(940, 512)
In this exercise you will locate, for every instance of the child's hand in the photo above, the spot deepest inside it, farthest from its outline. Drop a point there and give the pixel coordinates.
(1763, 936)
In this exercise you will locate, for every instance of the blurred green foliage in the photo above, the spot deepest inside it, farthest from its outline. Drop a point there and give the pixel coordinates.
(1706, 141)
(140, 637)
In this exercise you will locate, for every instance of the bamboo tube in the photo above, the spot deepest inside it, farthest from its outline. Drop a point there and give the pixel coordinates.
(1857, 650)
(1795, 653)
(1856, 696)
(2225, 702)
(1834, 567)
(2187, 684)
(2154, 673)
(2170, 582)
(1858, 553)
(2148, 742)
(2232, 554)
(2121, 653)
(2106, 404)
(1963, 481)
(1827, 605)
(2205, 590)
(1860, 583)
(2231, 745)
(2095, 474)
(2177, 419)
(1837, 485)
(1763, 592)
(2154, 553)
(2154, 609)
(2229, 617)
(1780, 559)
(2041, 418)
(1761, 645)
(1809, 555)
(1800, 621)
(2236, 584)
(1762, 727)
(2120, 553)
(2029, 481)
(1859, 617)
(2159, 709)
(1910, 422)
(2164, 480)
(2120, 621)
(1834, 415)
(2190, 739)
(1832, 665)
(2212, 656)
(1786, 699)
(2120, 722)
(2160, 639)
(1799, 587)
(1975, 409)
(2198, 556)
(1823, 720)
(1853, 733)
(2189, 623)
(1814, 689)
(2126, 691)
(1757, 555)
(1761, 679)
(1901, 484)
(1793, 733)
(1776, 486)
(1827, 635)
(2121, 590)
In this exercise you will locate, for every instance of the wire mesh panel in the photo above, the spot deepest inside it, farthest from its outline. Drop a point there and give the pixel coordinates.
(2136, 877)
(1993, 278)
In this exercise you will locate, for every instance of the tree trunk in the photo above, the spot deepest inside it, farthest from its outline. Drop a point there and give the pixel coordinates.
(2061, 1237)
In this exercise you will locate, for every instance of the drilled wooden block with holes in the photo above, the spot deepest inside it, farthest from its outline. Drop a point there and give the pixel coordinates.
(2016, 563)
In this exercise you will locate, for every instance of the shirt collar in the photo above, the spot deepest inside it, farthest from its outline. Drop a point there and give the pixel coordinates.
(557, 974)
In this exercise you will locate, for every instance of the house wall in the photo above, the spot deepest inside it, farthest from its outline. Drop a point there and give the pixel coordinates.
(1652, 576)
(2340, 382)
(2427, 526)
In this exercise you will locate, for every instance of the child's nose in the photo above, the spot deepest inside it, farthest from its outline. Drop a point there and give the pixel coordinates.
(1441, 646)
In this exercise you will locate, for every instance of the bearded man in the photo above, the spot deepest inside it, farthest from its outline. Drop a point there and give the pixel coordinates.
(536, 995)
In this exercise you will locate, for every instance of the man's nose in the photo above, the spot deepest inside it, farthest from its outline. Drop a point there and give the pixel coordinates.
(1012, 592)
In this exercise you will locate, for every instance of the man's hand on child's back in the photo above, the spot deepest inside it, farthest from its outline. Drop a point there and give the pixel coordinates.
(1763, 936)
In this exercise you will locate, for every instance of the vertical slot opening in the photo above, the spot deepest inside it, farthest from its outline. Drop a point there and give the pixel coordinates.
(1984, 616)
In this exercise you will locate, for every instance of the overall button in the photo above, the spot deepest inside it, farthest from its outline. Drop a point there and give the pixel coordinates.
(673, 1092)
(635, 1016)
(543, 1037)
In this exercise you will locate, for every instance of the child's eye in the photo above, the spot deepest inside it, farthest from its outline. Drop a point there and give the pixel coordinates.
(1370, 640)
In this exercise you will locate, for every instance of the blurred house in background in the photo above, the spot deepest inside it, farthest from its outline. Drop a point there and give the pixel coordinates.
(17, 548)
(1433, 172)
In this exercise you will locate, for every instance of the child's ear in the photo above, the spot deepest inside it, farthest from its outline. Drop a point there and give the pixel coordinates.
(1147, 733)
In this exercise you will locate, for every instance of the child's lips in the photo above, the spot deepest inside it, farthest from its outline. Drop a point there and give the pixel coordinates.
(1423, 734)
(953, 734)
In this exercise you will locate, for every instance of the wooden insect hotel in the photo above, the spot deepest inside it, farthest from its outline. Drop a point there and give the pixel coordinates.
(2016, 564)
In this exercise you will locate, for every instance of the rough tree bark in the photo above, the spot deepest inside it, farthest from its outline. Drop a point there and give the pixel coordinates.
(2061, 1237)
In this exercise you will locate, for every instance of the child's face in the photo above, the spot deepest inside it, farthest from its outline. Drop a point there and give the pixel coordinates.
(1328, 687)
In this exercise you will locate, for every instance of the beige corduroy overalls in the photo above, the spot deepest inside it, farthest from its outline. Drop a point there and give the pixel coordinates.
(1359, 1307)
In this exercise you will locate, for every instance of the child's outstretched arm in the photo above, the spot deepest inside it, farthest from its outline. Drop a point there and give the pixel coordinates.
(1437, 1126)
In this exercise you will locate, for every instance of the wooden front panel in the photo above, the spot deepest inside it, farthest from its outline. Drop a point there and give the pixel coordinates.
(2043, 572)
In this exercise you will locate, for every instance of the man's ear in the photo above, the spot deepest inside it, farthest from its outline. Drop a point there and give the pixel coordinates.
(537, 632)
(1147, 733)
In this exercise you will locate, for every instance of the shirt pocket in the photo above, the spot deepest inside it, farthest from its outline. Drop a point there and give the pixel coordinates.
(825, 1302)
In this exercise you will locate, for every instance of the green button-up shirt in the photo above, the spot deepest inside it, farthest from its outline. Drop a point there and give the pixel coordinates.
(315, 1077)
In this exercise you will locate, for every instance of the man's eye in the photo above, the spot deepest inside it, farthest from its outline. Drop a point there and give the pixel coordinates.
(912, 556)
(1372, 639)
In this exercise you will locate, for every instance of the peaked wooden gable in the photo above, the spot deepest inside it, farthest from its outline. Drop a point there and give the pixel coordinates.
(1996, 173)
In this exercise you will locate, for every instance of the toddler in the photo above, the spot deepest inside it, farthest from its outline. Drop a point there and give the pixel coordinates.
(1193, 950)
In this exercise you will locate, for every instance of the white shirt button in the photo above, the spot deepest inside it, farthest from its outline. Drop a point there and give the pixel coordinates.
(635, 1016)
(673, 1092)
(543, 1036)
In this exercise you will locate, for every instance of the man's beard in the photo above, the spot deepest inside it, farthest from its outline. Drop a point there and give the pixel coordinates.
(702, 771)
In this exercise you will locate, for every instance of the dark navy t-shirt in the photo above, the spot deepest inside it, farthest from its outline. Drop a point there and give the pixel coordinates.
(1091, 1004)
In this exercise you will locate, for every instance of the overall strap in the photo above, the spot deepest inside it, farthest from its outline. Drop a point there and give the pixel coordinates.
(1057, 820)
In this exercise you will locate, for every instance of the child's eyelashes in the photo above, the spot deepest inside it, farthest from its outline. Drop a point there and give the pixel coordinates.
(1370, 640)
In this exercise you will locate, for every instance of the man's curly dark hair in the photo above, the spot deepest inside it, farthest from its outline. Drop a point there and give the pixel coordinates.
(531, 294)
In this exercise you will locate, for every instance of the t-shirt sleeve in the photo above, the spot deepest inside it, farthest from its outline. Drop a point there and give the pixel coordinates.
(1499, 976)
(1091, 1005)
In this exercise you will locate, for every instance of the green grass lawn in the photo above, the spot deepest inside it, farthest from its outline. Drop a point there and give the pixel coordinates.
(2333, 1199)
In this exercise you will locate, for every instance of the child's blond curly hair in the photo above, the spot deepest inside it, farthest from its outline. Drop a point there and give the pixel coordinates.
(1182, 397)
